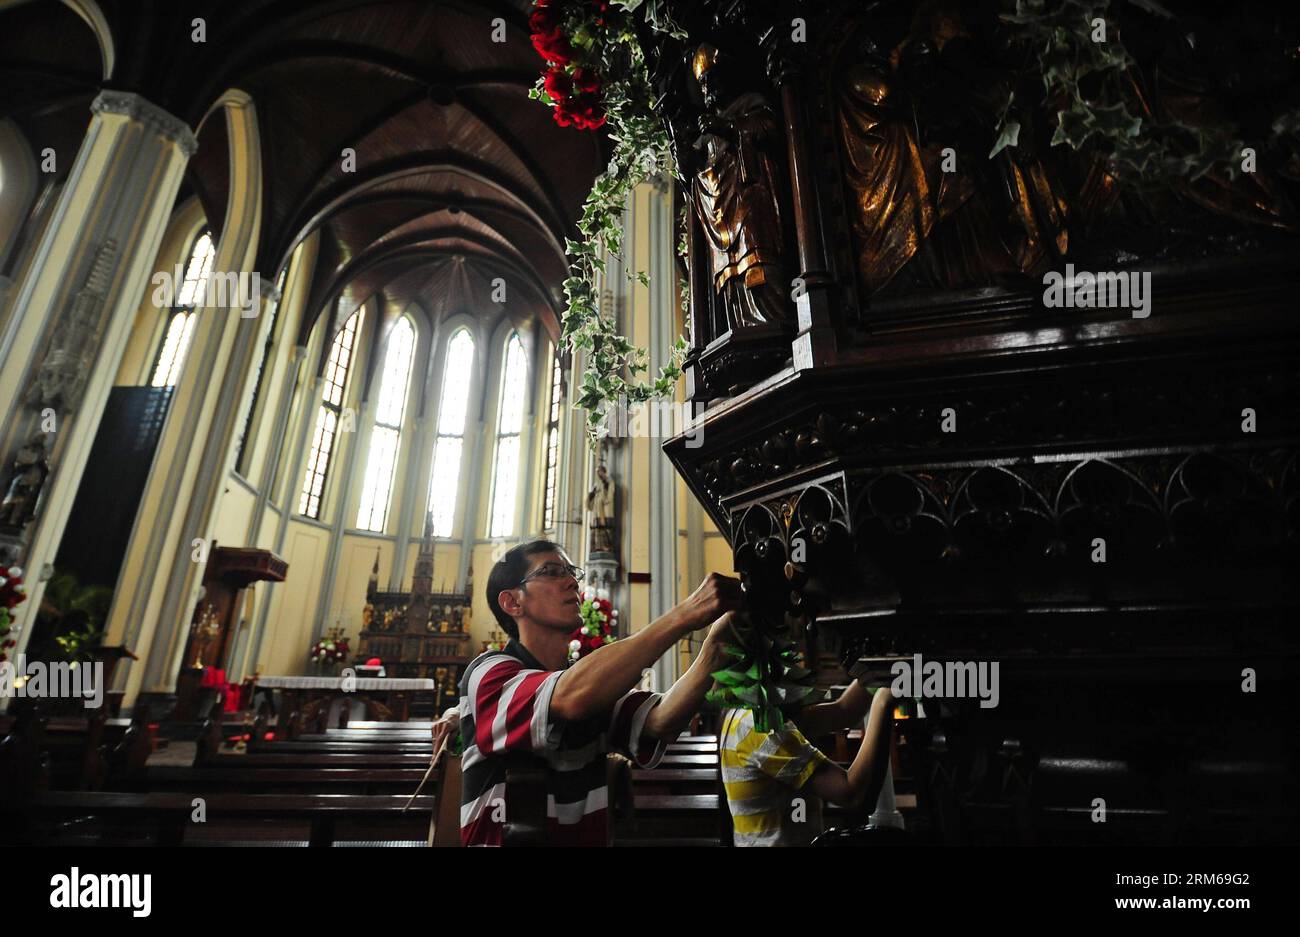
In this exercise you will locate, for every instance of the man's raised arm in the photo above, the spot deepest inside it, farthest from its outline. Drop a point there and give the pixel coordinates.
(684, 698)
(595, 683)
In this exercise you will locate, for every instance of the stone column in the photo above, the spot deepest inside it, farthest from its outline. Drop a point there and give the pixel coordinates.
(160, 577)
(73, 310)
(662, 480)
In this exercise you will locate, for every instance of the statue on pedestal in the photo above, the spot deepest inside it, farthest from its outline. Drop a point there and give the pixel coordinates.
(600, 502)
(735, 198)
(30, 469)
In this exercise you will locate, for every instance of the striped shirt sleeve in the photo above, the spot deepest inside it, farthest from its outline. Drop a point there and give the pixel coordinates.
(627, 729)
(788, 757)
(512, 707)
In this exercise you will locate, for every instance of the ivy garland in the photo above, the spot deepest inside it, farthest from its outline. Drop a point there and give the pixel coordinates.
(597, 75)
(1070, 43)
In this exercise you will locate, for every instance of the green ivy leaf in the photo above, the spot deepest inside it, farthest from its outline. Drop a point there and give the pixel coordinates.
(729, 678)
(1009, 135)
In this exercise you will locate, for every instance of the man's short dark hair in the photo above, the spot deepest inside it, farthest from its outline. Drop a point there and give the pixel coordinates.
(507, 572)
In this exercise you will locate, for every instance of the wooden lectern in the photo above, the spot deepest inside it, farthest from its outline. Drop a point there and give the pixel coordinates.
(216, 616)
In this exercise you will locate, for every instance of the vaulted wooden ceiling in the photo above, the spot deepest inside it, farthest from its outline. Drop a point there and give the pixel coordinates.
(459, 177)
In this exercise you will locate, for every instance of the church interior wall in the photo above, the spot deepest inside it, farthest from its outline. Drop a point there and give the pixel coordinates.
(293, 602)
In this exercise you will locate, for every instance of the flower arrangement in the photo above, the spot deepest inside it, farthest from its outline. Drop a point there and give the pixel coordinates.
(599, 619)
(331, 649)
(596, 74)
(12, 594)
(575, 89)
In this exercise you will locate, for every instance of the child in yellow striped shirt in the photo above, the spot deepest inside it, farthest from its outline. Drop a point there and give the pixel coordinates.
(776, 781)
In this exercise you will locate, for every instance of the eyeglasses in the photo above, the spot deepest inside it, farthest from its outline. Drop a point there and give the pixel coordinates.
(554, 571)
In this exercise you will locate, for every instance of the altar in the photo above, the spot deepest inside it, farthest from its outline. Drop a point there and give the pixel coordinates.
(421, 634)
(306, 701)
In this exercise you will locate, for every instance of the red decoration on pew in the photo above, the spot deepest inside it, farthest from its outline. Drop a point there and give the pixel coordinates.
(12, 594)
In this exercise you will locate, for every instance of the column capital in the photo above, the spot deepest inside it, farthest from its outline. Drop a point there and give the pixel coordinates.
(151, 115)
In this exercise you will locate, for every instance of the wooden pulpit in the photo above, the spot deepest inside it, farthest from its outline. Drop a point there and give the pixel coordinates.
(216, 616)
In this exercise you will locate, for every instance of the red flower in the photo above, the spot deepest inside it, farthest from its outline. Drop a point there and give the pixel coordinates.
(590, 117)
(553, 46)
(543, 19)
(597, 642)
(586, 80)
(562, 117)
(558, 84)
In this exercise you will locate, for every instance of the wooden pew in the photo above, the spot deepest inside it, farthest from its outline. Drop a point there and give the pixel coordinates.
(71, 752)
(285, 780)
(169, 815)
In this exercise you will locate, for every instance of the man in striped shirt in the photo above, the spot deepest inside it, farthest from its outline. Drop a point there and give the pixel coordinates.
(521, 706)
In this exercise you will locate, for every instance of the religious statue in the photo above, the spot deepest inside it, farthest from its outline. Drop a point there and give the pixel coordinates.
(735, 198)
(204, 630)
(600, 502)
(901, 117)
(61, 377)
(30, 469)
(367, 616)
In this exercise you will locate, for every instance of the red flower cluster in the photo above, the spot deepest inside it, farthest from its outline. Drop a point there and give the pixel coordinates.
(12, 594)
(596, 630)
(574, 89)
(331, 650)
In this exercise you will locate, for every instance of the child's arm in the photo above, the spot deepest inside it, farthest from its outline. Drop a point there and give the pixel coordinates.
(825, 718)
(862, 781)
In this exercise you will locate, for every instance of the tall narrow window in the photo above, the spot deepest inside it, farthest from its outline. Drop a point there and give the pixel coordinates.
(180, 323)
(451, 432)
(377, 490)
(552, 447)
(510, 421)
(245, 451)
(327, 416)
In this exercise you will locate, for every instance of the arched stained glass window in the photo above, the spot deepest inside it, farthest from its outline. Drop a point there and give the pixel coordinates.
(552, 446)
(510, 422)
(327, 416)
(447, 451)
(180, 323)
(377, 489)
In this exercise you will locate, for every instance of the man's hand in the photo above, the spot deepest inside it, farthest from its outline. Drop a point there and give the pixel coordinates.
(721, 633)
(714, 596)
(443, 729)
